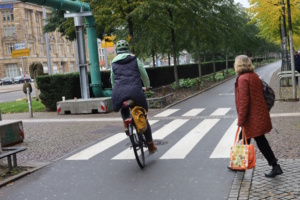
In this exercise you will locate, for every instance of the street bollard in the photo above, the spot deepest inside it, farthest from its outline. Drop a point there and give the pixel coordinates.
(29, 103)
(0, 115)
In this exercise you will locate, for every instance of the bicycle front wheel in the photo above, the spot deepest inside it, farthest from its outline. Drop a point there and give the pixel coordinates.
(138, 148)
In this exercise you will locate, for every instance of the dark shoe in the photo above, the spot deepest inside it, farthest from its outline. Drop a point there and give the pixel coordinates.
(274, 172)
(151, 147)
(127, 132)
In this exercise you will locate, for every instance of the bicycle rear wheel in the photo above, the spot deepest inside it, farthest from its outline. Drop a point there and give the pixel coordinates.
(138, 147)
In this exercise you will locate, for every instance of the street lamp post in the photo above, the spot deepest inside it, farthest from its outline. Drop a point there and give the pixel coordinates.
(291, 50)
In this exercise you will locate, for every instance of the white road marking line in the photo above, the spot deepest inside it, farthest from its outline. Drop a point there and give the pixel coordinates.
(222, 150)
(102, 146)
(166, 113)
(161, 133)
(182, 148)
(99, 147)
(220, 111)
(168, 129)
(193, 112)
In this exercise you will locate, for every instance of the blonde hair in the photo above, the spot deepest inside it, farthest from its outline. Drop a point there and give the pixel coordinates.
(243, 64)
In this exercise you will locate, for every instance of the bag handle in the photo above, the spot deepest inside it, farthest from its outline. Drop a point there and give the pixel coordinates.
(244, 138)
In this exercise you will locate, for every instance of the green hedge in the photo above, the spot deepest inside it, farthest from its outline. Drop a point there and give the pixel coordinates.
(53, 87)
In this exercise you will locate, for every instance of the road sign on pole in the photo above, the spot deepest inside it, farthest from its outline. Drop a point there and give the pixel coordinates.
(20, 53)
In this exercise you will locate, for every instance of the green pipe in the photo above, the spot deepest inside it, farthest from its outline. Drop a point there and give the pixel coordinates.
(94, 59)
(75, 6)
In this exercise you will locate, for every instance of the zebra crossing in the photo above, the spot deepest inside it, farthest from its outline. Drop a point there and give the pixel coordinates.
(164, 128)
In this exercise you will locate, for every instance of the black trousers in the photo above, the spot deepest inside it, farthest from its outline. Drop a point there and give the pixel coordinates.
(125, 113)
(264, 147)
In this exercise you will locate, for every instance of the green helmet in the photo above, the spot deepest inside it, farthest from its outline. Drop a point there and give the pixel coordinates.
(122, 46)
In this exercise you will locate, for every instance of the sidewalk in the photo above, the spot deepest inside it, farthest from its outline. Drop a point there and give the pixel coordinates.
(283, 139)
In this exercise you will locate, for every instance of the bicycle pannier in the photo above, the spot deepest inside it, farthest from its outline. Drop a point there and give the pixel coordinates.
(139, 115)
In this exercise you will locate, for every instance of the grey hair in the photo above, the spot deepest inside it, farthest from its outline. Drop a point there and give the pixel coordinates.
(243, 64)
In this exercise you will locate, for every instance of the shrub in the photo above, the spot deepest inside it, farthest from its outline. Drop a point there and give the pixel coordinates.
(186, 83)
(53, 87)
(219, 76)
(149, 93)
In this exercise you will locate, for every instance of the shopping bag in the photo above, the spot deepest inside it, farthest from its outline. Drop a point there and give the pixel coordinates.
(242, 156)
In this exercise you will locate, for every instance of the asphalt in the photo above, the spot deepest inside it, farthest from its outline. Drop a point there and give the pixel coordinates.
(47, 142)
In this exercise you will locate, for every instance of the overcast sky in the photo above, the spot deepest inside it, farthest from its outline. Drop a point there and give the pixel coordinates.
(243, 2)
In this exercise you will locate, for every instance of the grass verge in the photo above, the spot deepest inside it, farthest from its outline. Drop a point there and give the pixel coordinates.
(21, 105)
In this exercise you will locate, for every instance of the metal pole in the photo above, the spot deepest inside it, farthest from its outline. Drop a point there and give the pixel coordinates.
(29, 102)
(285, 56)
(23, 72)
(85, 90)
(291, 50)
(47, 44)
(105, 58)
(76, 55)
(0, 120)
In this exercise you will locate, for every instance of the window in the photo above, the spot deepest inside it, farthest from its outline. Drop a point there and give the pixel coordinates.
(10, 48)
(60, 49)
(8, 15)
(12, 70)
(37, 18)
(42, 49)
(51, 48)
(13, 30)
(5, 31)
(72, 67)
(45, 67)
(3, 16)
(9, 30)
(55, 68)
(68, 49)
(12, 16)
(30, 46)
(26, 14)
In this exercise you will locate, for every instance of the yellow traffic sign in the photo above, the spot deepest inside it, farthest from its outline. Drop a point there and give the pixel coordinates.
(107, 41)
(20, 53)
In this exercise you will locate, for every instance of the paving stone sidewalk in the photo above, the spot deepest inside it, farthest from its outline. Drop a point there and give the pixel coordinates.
(283, 139)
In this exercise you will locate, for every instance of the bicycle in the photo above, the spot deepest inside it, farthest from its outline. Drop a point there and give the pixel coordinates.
(137, 140)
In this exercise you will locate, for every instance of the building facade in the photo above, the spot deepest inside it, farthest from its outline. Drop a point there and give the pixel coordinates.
(22, 23)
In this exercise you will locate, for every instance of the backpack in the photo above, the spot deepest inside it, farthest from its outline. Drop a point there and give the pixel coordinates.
(268, 94)
(139, 115)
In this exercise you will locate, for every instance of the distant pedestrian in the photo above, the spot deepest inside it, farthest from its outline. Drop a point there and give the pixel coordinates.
(297, 63)
(252, 110)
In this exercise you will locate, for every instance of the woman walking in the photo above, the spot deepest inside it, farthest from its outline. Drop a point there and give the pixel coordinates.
(252, 110)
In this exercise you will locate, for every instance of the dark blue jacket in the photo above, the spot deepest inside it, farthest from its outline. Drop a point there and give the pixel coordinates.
(297, 62)
(127, 83)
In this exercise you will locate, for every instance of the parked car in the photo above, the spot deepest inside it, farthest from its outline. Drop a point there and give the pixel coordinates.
(6, 81)
(20, 79)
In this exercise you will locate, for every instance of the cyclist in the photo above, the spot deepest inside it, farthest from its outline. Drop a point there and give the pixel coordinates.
(126, 74)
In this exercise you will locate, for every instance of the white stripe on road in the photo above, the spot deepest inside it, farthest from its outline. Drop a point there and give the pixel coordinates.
(193, 112)
(168, 129)
(220, 111)
(101, 146)
(163, 132)
(182, 148)
(166, 113)
(222, 150)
